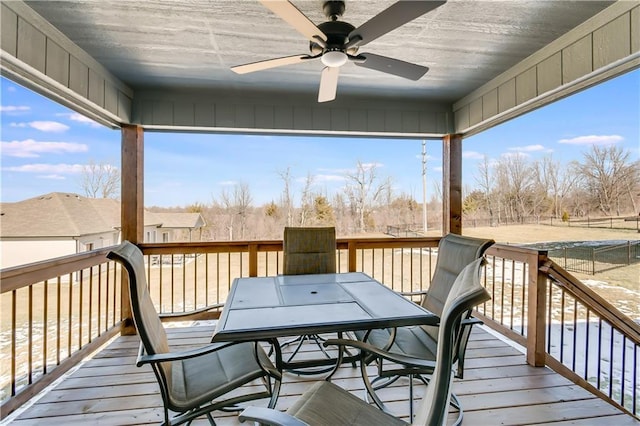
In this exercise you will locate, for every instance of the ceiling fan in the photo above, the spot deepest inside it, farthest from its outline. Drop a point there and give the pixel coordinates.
(335, 42)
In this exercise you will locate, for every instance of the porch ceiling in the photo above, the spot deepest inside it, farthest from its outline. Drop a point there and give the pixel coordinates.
(178, 45)
(177, 51)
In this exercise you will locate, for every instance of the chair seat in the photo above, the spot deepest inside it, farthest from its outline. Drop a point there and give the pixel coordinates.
(194, 383)
(327, 404)
(409, 341)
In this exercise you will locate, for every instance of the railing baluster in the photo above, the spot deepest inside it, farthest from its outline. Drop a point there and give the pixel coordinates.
(90, 303)
(575, 334)
(173, 289)
(58, 323)
(70, 314)
(195, 281)
(45, 323)
(549, 317)
(513, 283)
(99, 319)
(81, 304)
(13, 341)
(562, 303)
(599, 371)
(586, 347)
(30, 337)
(206, 281)
(611, 337)
(623, 369)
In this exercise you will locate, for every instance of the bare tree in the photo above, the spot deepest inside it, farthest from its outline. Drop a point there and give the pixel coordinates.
(558, 182)
(514, 180)
(609, 175)
(286, 199)
(364, 189)
(306, 201)
(100, 180)
(484, 179)
(237, 204)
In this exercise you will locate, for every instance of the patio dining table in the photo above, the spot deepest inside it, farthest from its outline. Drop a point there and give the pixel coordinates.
(268, 308)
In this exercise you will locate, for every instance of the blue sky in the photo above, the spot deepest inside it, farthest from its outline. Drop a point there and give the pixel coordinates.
(45, 145)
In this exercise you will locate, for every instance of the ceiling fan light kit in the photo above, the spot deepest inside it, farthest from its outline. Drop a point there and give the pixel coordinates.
(336, 42)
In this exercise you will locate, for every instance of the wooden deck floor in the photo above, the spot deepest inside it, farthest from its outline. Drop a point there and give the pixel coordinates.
(498, 389)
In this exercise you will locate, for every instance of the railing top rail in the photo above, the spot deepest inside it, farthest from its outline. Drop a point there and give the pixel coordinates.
(592, 300)
(20, 276)
(521, 254)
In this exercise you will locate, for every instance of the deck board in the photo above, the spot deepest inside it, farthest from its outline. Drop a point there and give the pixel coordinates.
(498, 388)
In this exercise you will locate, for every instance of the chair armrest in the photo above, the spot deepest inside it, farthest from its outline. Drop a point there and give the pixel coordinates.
(269, 417)
(471, 321)
(178, 315)
(176, 356)
(390, 356)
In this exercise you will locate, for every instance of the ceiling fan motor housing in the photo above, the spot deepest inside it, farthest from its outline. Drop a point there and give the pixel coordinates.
(337, 33)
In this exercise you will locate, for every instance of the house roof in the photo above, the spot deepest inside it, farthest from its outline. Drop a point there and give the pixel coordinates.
(61, 214)
(178, 220)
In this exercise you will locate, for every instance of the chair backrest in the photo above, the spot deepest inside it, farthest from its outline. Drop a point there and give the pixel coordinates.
(145, 316)
(466, 292)
(309, 250)
(454, 253)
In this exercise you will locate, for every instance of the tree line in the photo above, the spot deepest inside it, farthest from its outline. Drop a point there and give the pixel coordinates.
(605, 182)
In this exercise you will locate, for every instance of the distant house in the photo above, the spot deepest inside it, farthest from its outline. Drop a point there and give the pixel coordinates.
(59, 224)
(173, 227)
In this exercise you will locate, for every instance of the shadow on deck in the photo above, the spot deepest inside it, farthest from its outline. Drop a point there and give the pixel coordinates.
(499, 388)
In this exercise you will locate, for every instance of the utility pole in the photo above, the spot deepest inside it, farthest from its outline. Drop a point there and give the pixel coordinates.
(424, 187)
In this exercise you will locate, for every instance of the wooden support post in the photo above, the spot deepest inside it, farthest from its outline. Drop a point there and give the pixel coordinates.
(452, 184)
(132, 206)
(536, 314)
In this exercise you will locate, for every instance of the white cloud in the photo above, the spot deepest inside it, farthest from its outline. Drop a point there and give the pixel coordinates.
(30, 148)
(367, 166)
(52, 177)
(43, 126)
(227, 183)
(530, 148)
(515, 154)
(47, 169)
(472, 155)
(593, 140)
(74, 116)
(14, 108)
(328, 178)
(49, 126)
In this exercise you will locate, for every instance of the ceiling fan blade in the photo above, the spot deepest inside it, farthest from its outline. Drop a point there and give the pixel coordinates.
(269, 63)
(328, 84)
(391, 18)
(392, 66)
(290, 14)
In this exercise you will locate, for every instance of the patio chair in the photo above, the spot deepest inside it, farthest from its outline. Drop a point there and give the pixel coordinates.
(308, 250)
(192, 382)
(418, 343)
(327, 404)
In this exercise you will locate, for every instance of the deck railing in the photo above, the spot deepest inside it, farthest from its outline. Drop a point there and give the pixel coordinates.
(563, 324)
(534, 302)
(54, 314)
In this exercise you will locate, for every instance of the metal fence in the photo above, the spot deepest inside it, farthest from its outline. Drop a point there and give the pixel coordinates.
(591, 260)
